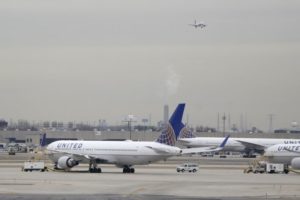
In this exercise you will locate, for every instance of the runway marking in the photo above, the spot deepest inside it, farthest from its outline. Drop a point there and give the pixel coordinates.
(136, 191)
(16, 184)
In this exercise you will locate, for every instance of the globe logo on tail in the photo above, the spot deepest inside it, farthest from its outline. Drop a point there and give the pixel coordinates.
(167, 136)
(186, 133)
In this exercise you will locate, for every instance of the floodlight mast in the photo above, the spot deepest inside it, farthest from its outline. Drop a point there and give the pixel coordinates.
(129, 120)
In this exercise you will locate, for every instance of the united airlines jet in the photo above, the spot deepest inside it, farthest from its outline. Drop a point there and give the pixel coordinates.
(124, 154)
(288, 154)
(243, 145)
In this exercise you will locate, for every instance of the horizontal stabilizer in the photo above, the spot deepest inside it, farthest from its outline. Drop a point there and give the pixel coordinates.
(158, 150)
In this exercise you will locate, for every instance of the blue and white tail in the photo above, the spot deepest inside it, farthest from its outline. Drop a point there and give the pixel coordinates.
(186, 133)
(170, 134)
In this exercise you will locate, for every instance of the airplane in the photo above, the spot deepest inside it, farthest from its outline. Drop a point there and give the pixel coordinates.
(196, 25)
(124, 154)
(249, 146)
(288, 154)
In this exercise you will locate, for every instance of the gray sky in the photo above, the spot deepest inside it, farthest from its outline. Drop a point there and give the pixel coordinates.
(88, 60)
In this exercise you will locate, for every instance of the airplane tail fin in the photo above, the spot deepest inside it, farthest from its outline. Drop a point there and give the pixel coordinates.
(222, 145)
(170, 134)
(186, 133)
(43, 140)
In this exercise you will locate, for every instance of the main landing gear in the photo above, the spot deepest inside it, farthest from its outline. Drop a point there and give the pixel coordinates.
(93, 167)
(128, 170)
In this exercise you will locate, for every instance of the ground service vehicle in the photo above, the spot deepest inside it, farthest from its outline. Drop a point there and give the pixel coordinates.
(275, 168)
(34, 166)
(189, 167)
(11, 151)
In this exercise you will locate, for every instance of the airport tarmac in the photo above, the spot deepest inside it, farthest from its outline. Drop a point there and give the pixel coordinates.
(159, 181)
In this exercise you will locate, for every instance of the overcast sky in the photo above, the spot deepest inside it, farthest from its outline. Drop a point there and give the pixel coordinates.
(88, 60)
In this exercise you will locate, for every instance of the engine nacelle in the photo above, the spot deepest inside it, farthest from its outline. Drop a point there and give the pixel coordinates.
(65, 162)
(295, 163)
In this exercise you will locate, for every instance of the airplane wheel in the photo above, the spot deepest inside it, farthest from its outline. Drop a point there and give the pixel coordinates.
(128, 170)
(95, 170)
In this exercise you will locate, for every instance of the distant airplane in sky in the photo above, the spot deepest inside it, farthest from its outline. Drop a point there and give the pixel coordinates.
(196, 25)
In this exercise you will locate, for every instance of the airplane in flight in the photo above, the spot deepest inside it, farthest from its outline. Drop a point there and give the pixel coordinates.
(288, 154)
(196, 25)
(124, 154)
(249, 146)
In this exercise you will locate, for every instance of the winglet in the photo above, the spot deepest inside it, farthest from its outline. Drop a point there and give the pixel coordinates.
(43, 140)
(222, 145)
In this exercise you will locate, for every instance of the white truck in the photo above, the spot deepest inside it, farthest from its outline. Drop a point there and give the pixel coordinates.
(187, 167)
(30, 166)
(275, 168)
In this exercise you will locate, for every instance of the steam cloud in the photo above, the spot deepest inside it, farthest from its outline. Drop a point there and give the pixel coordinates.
(172, 82)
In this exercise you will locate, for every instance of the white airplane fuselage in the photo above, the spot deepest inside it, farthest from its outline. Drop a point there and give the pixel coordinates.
(120, 153)
(279, 154)
(234, 144)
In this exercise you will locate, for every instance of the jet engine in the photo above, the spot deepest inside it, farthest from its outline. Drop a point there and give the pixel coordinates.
(295, 163)
(66, 162)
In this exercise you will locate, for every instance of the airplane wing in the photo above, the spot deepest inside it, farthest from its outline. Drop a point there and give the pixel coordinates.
(205, 149)
(201, 150)
(81, 157)
(250, 145)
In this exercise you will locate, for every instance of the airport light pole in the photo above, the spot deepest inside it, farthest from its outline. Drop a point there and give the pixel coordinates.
(224, 119)
(218, 123)
(145, 121)
(129, 120)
